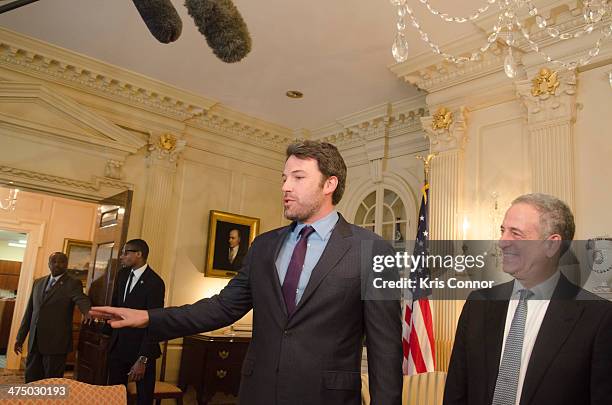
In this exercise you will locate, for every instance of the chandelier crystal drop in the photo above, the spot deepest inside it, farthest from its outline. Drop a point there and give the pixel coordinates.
(510, 65)
(508, 30)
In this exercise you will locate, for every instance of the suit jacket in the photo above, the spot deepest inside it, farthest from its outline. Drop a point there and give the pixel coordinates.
(314, 356)
(48, 317)
(571, 361)
(148, 293)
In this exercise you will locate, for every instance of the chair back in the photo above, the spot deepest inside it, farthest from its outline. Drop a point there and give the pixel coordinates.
(79, 393)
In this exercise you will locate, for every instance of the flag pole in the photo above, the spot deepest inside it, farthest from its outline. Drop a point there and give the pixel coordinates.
(426, 164)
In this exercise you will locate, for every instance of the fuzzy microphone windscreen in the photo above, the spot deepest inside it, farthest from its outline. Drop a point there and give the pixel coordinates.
(161, 19)
(223, 27)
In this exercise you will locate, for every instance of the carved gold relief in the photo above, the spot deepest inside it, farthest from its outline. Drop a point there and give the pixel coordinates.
(167, 142)
(442, 119)
(546, 82)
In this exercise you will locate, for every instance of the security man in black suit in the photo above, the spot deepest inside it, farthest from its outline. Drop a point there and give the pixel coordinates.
(48, 320)
(132, 356)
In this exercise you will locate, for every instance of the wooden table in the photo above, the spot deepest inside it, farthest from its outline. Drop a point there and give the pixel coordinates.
(211, 363)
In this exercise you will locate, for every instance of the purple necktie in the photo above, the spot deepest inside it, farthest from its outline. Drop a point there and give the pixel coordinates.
(295, 269)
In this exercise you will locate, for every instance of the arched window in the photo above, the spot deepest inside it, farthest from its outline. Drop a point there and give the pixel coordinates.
(383, 212)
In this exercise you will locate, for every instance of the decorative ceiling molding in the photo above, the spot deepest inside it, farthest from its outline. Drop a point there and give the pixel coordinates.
(396, 119)
(94, 190)
(257, 134)
(57, 65)
(564, 15)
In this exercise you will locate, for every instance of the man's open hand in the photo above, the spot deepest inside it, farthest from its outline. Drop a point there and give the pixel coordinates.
(121, 317)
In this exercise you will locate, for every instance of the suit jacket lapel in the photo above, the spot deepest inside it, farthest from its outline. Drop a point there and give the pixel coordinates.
(58, 284)
(494, 326)
(336, 248)
(140, 284)
(122, 283)
(278, 244)
(41, 289)
(561, 316)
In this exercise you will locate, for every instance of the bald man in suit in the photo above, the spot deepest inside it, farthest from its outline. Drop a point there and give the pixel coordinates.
(538, 339)
(48, 320)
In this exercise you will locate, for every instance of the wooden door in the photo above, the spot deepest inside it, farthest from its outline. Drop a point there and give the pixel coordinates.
(109, 238)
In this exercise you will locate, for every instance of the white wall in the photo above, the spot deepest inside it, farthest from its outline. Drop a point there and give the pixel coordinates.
(593, 154)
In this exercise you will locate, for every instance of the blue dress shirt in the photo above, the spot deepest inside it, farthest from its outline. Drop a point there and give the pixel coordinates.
(316, 245)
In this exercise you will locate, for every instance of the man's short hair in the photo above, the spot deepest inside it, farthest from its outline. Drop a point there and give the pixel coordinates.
(140, 246)
(328, 158)
(555, 216)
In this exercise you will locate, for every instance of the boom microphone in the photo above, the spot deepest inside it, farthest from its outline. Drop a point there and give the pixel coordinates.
(161, 19)
(223, 27)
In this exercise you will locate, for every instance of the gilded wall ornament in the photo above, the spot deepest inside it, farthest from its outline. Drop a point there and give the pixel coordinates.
(442, 119)
(166, 146)
(546, 82)
(167, 142)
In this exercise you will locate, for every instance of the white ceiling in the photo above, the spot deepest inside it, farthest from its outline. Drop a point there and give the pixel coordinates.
(336, 52)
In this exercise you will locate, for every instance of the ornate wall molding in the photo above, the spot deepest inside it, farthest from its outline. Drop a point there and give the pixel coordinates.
(450, 136)
(114, 169)
(546, 106)
(166, 148)
(260, 135)
(84, 128)
(94, 190)
(550, 121)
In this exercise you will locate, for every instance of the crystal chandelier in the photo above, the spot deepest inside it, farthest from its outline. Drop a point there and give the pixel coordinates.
(8, 203)
(509, 29)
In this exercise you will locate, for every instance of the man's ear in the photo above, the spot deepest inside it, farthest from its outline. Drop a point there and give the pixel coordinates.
(553, 245)
(330, 185)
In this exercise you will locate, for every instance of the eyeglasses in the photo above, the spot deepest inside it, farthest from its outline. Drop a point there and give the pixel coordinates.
(125, 252)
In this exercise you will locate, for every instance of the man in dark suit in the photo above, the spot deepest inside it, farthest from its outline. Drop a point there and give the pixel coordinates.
(132, 356)
(304, 284)
(538, 339)
(48, 319)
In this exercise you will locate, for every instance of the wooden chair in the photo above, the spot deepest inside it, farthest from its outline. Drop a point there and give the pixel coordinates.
(163, 390)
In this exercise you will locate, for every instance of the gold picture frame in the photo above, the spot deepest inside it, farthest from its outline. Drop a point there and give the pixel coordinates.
(79, 258)
(224, 229)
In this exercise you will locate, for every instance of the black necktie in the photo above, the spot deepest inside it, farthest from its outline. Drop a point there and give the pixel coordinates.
(128, 285)
(295, 269)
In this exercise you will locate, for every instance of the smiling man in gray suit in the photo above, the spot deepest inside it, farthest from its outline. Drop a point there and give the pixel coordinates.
(304, 283)
(48, 319)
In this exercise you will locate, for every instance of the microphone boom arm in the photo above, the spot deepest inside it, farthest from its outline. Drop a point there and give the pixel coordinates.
(15, 4)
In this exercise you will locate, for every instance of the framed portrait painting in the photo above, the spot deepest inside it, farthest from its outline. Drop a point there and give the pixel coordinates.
(79, 258)
(229, 239)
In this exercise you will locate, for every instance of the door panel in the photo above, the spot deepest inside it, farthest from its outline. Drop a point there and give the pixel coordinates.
(109, 237)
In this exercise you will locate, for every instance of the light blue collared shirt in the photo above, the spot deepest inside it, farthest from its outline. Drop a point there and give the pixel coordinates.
(317, 241)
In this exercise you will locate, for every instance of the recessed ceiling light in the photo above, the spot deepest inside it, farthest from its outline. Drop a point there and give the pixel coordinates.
(294, 94)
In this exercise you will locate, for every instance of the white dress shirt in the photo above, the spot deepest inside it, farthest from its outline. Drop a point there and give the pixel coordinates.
(233, 251)
(536, 309)
(137, 273)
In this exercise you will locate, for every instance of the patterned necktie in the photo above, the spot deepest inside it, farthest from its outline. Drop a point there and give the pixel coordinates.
(510, 367)
(295, 269)
(128, 286)
(50, 285)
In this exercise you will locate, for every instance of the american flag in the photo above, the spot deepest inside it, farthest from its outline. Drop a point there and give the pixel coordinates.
(417, 328)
